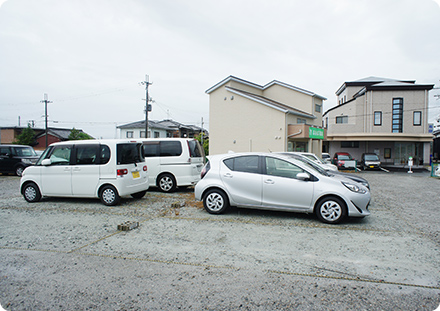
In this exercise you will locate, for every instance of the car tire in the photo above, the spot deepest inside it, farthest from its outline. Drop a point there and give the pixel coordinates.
(31, 193)
(166, 183)
(109, 196)
(215, 201)
(331, 210)
(139, 195)
(19, 171)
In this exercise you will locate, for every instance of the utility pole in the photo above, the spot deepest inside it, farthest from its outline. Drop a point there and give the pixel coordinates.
(45, 101)
(147, 99)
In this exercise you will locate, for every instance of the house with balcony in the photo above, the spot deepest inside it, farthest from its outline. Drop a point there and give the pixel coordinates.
(276, 117)
(383, 116)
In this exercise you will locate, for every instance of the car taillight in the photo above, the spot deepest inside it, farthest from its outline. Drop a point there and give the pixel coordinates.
(145, 168)
(122, 172)
(205, 170)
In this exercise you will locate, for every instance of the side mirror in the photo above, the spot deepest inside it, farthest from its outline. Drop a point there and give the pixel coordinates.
(46, 162)
(303, 176)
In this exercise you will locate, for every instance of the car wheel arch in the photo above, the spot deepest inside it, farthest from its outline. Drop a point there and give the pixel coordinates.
(218, 189)
(329, 195)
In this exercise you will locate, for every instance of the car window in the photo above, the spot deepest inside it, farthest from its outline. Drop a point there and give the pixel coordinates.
(25, 151)
(248, 164)
(170, 148)
(129, 153)
(104, 154)
(344, 157)
(60, 155)
(86, 154)
(281, 168)
(151, 149)
(195, 150)
(4, 151)
(371, 157)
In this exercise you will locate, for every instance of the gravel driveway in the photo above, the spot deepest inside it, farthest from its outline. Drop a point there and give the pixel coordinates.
(67, 254)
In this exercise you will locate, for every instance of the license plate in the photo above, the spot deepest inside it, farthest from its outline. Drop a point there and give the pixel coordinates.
(136, 174)
(371, 166)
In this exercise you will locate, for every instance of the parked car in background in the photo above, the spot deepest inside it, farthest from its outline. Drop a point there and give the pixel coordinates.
(316, 159)
(324, 171)
(173, 162)
(15, 158)
(105, 169)
(278, 182)
(370, 161)
(343, 160)
(326, 157)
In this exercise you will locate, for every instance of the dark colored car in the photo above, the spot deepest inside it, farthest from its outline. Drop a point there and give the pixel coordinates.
(15, 158)
(343, 160)
(370, 161)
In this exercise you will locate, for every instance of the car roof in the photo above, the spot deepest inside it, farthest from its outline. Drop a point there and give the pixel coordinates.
(13, 145)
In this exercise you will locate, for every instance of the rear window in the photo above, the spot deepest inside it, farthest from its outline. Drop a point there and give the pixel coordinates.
(129, 153)
(195, 150)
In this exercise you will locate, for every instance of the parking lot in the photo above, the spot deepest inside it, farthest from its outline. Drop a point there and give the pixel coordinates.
(67, 254)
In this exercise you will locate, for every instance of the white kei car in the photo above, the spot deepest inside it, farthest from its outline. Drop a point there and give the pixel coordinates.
(278, 182)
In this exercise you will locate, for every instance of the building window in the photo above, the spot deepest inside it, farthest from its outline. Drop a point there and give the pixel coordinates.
(129, 134)
(301, 121)
(317, 108)
(377, 118)
(142, 134)
(417, 118)
(156, 134)
(397, 125)
(387, 153)
(341, 119)
(349, 144)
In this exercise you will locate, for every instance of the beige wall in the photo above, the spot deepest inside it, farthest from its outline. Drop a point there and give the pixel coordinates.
(290, 97)
(241, 125)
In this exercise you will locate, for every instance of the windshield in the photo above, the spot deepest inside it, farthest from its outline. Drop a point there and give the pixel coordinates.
(344, 157)
(371, 157)
(195, 149)
(25, 151)
(310, 164)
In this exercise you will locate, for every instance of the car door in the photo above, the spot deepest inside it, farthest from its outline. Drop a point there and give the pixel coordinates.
(151, 151)
(6, 161)
(85, 170)
(56, 178)
(282, 189)
(242, 178)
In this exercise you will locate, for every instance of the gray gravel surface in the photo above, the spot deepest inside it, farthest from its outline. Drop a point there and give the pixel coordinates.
(67, 254)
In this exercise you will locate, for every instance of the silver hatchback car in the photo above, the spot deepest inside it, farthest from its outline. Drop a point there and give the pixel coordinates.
(278, 182)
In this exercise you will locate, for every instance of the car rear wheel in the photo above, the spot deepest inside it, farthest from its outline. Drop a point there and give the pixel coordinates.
(31, 193)
(167, 183)
(109, 196)
(331, 210)
(215, 201)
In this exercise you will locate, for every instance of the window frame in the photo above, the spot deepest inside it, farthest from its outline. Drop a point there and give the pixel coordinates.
(377, 114)
(344, 119)
(419, 113)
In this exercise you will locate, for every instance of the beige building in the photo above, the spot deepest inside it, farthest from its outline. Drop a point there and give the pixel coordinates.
(383, 116)
(244, 116)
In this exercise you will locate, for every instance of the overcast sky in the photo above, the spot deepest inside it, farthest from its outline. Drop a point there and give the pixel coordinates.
(90, 55)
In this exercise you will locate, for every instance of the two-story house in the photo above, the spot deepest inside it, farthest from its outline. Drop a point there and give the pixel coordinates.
(276, 117)
(159, 129)
(383, 116)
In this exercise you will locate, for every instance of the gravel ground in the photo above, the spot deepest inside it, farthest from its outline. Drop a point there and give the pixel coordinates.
(67, 254)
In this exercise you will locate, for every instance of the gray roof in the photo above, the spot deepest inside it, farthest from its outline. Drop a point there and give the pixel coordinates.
(167, 124)
(141, 124)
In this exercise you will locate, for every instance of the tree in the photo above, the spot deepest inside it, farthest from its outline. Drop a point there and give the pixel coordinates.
(78, 135)
(27, 137)
(205, 144)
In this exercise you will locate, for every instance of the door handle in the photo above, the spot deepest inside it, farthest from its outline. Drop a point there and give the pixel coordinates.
(228, 175)
(269, 181)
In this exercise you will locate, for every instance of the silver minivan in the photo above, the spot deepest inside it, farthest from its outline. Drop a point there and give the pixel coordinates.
(105, 169)
(173, 162)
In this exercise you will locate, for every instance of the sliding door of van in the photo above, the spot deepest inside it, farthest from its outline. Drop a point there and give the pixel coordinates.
(85, 170)
(151, 154)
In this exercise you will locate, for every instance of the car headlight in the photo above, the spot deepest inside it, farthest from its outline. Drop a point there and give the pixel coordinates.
(353, 187)
(26, 161)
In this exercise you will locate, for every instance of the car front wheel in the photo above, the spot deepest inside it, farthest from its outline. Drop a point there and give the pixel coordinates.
(19, 171)
(109, 196)
(215, 201)
(31, 193)
(331, 210)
